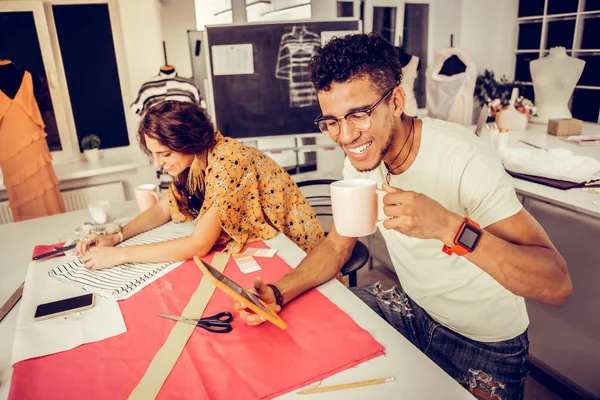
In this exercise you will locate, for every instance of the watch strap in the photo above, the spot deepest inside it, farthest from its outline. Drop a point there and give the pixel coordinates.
(277, 293)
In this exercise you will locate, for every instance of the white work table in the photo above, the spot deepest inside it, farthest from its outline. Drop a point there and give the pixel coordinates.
(573, 199)
(416, 376)
(565, 341)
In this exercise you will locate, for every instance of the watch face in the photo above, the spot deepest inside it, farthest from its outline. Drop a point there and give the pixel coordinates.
(469, 237)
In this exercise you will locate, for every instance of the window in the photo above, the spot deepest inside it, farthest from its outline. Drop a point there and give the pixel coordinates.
(573, 24)
(88, 54)
(345, 9)
(70, 49)
(273, 10)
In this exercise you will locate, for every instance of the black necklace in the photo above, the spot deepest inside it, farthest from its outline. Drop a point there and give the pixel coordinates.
(388, 176)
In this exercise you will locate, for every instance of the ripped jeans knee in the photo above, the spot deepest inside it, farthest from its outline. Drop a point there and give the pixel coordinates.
(393, 298)
(482, 385)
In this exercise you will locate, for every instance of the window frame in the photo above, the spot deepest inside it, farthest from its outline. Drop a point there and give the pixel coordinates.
(575, 50)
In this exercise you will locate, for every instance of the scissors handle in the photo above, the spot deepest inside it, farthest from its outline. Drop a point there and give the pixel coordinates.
(219, 323)
(224, 316)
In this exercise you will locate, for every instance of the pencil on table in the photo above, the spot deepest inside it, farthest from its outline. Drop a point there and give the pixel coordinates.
(347, 385)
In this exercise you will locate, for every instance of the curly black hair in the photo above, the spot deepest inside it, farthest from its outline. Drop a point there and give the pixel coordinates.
(352, 56)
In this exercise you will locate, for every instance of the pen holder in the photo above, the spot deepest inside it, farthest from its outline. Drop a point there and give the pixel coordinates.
(499, 140)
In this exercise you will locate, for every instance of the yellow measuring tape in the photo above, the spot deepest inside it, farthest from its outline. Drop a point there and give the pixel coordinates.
(166, 357)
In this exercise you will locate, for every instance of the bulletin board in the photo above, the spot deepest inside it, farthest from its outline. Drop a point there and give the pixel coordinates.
(259, 75)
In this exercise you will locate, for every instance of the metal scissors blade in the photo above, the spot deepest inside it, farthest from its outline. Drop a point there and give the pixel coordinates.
(179, 319)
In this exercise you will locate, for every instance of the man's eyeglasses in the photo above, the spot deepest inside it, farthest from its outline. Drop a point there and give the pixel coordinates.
(357, 120)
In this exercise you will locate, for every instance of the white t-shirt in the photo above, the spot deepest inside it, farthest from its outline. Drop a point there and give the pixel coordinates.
(455, 168)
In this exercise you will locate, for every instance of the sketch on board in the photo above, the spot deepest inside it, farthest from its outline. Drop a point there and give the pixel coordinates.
(295, 51)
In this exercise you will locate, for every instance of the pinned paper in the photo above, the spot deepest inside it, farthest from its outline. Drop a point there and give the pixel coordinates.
(246, 263)
(254, 252)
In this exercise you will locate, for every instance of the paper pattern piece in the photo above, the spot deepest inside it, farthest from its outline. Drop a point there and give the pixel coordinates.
(254, 252)
(50, 336)
(246, 263)
(124, 281)
(246, 363)
(232, 59)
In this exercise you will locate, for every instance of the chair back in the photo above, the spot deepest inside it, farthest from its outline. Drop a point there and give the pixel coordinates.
(318, 194)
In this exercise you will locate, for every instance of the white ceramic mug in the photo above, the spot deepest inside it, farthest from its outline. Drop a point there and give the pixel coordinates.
(100, 211)
(146, 196)
(357, 207)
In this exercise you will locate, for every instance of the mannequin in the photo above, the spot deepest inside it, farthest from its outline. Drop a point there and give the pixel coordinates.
(554, 79)
(410, 70)
(167, 85)
(167, 69)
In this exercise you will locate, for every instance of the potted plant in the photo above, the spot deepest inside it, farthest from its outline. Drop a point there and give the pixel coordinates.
(91, 144)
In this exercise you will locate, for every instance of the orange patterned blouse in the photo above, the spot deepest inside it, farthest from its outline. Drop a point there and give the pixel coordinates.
(254, 197)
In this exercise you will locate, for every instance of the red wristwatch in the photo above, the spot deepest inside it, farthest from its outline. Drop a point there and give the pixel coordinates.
(465, 240)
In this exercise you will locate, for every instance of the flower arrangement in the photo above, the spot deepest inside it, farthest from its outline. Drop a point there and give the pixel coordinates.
(497, 95)
(522, 105)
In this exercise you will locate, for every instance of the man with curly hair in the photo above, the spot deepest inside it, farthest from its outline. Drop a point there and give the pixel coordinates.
(466, 252)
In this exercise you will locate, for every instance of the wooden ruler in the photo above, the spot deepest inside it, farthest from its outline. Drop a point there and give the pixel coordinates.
(10, 303)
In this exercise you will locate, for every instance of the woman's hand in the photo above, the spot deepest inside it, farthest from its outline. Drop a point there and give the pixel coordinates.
(103, 257)
(95, 240)
(263, 292)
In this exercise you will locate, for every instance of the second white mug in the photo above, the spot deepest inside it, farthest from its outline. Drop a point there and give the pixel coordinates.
(146, 196)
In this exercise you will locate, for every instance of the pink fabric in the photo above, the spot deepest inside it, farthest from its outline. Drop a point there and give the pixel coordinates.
(42, 248)
(247, 363)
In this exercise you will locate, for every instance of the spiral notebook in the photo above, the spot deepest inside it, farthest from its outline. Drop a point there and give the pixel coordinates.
(124, 281)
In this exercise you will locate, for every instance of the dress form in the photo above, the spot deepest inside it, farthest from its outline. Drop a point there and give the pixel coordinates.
(409, 75)
(554, 78)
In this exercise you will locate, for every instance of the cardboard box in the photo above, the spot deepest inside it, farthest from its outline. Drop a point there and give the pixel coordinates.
(565, 126)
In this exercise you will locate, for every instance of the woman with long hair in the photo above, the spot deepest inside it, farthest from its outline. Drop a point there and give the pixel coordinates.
(235, 193)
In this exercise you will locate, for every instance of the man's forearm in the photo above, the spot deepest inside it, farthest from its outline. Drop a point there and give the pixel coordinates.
(320, 265)
(532, 272)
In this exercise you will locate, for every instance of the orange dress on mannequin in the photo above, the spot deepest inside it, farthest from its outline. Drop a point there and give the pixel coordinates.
(25, 158)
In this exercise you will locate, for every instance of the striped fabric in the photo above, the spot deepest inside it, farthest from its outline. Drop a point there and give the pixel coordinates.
(165, 86)
(124, 281)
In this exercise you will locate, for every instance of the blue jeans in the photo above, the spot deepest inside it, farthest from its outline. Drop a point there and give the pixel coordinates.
(494, 370)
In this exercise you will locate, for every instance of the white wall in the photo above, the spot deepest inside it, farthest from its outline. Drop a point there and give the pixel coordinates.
(141, 28)
(488, 33)
(177, 17)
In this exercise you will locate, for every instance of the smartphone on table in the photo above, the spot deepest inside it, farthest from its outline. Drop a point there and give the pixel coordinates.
(64, 307)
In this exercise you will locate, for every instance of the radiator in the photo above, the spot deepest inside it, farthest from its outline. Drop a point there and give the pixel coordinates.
(78, 199)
